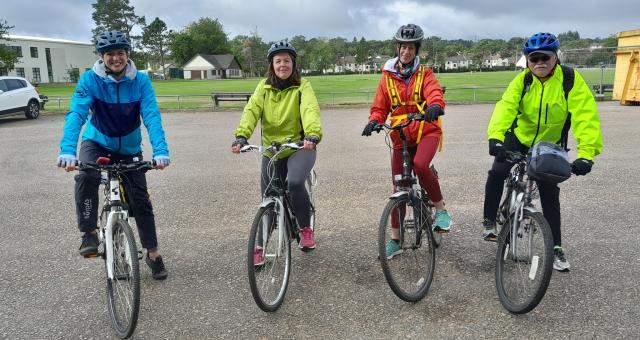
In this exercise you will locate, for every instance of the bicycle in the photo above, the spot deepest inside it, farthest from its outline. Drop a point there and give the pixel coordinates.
(409, 274)
(524, 260)
(273, 229)
(117, 245)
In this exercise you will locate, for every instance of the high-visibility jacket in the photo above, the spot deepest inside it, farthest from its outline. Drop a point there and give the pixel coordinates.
(543, 110)
(396, 98)
(290, 113)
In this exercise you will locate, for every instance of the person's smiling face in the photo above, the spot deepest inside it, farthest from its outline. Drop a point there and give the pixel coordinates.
(283, 65)
(116, 60)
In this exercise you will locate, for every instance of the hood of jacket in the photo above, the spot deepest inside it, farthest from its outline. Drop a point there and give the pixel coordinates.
(390, 66)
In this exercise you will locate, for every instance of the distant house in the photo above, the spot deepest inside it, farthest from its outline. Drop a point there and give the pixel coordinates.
(457, 62)
(495, 60)
(348, 63)
(212, 66)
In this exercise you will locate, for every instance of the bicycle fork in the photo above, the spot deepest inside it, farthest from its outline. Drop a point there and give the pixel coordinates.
(266, 226)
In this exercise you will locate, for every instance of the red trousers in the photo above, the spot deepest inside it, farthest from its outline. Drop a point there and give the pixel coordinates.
(422, 155)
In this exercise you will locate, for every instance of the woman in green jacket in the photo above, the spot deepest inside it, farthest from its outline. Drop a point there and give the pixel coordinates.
(288, 109)
(538, 112)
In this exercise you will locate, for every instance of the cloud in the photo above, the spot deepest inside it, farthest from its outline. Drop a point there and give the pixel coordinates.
(371, 19)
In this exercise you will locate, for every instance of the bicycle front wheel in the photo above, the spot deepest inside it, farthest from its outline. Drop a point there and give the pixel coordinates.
(269, 259)
(406, 249)
(123, 291)
(524, 262)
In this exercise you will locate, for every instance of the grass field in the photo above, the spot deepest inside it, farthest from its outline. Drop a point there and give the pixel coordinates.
(330, 90)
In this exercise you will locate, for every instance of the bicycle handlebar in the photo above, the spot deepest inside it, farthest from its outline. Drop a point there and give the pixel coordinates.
(117, 167)
(410, 117)
(275, 147)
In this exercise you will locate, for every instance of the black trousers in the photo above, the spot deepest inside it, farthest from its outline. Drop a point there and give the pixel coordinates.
(549, 192)
(135, 185)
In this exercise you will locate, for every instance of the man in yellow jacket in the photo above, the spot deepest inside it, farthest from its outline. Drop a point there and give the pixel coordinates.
(537, 106)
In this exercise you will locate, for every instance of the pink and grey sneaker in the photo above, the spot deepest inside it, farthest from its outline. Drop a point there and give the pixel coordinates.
(307, 241)
(258, 256)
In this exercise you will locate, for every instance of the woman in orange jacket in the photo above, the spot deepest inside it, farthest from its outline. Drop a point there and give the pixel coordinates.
(408, 87)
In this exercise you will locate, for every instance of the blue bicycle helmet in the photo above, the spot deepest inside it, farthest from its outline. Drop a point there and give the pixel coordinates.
(281, 46)
(541, 41)
(112, 40)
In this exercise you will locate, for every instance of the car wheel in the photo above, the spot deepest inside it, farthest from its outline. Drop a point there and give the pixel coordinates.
(33, 110)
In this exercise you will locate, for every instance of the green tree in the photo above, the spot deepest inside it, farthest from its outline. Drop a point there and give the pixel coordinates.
(8, 57)
(110, 15)
(205, 36)
(303, 60)
(251, 52)
(155, 38)
(320, 54)
(119, 15)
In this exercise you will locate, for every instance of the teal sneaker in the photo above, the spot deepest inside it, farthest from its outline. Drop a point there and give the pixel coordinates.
(392, 249)
(442, 222)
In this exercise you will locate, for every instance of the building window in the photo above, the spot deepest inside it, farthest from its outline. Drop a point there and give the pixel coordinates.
(34, 52)
(36, 75)
(213, 72)
(3, 71)
(20, 71)
(17, 50)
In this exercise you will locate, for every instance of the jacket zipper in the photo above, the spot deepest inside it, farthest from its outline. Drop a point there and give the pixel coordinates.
(118, 101)
(539, 116)
(546, 113)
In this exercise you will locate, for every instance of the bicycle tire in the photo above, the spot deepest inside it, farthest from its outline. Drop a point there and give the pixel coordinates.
(262, 276)
(410, 273)
(530, 272)
(123, 291)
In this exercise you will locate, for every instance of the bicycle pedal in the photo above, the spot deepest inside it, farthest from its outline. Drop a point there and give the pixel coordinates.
(140, 255)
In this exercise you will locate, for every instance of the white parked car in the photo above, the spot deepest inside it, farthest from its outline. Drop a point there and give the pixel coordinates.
(17, 95)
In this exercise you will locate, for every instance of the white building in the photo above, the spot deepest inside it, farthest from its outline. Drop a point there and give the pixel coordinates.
(47, 60)
(212, 66)
(457, 62)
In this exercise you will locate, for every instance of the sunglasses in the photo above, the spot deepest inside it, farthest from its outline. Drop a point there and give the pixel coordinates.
(543, 57)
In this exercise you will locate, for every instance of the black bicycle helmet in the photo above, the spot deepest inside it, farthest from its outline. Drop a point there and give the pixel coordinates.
(409, 33)
(281, 46)
(112, 40)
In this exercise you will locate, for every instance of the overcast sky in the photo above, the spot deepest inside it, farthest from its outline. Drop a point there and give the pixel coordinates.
(371, 19)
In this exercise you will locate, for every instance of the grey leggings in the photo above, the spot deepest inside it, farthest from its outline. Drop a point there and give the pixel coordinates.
(294, 169)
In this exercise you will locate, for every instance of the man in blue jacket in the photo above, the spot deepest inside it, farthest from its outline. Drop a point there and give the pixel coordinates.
(111, 98)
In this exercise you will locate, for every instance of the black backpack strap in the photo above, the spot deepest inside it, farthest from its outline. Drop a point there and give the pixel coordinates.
(568, 78)
(528, 80)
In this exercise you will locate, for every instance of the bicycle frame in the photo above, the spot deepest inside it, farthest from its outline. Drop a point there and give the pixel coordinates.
(276, 194)
(116, 212)
(113, 203)
(406, 182)
(519, 197)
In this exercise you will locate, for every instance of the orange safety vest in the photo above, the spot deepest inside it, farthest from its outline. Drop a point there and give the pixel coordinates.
(418, 101)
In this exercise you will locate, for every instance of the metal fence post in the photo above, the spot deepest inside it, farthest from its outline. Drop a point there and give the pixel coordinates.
(178, 102)
(59, 109)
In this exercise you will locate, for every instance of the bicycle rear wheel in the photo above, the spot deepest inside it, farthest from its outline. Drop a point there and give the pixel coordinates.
(268, 281)
(524, 263)
(409, 271)
(123, 291)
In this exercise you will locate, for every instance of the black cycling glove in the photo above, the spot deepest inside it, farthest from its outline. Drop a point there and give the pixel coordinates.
(312, 139)
(241, 141)
(496, 148)
(371, 126)
(581, 166)
(433, 112)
